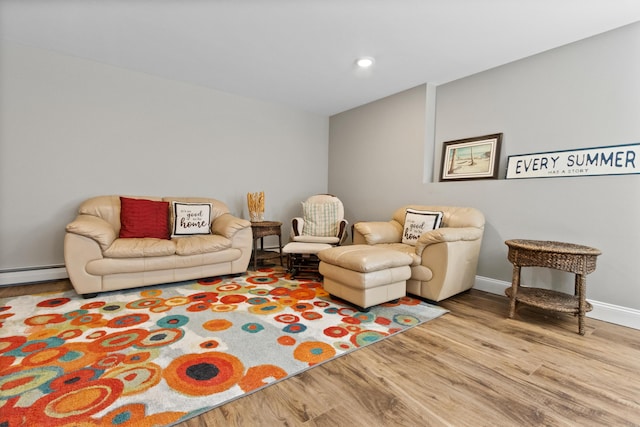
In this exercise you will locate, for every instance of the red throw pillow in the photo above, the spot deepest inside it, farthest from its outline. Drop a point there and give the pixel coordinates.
(144, 218)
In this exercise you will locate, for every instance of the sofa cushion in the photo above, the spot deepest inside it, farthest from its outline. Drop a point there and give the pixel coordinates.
(320, 219)
(201, 244)
(116, 270)
(146, 247)
(188, 219)
(417, 222)
(143, 218)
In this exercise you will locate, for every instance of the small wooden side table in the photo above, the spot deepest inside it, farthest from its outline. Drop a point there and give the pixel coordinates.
(577, 259)
(260, 230)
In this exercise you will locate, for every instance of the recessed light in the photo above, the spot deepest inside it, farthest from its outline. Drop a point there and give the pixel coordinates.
(365, 62)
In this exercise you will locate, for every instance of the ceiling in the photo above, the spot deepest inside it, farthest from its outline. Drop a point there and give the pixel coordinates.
(301, 53)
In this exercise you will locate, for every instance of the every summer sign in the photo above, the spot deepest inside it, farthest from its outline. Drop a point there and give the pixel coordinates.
(611, 160)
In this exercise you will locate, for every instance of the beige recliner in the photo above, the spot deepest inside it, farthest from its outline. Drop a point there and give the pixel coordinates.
(444, 260)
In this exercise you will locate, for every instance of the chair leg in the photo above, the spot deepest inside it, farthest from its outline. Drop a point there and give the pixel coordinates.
(303, 266)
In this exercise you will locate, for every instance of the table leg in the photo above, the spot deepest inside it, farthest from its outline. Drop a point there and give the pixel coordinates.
(515, 283)
(255, 254)
(280, 248)
(581, 286)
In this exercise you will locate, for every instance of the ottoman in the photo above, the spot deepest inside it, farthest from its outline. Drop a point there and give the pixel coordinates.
(365, 275)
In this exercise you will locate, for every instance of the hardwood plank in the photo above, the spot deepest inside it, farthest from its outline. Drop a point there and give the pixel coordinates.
(473, 366)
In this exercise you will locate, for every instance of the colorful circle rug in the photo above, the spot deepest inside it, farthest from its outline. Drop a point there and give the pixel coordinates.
(159, 355)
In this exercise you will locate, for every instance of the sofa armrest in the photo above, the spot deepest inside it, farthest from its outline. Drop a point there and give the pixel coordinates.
(228, 225)
(94, 228)
(446, 234)
(375, 232)
(79, 251)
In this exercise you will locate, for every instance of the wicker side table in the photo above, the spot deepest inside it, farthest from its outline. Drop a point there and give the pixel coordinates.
(569, 257)
(260, 230)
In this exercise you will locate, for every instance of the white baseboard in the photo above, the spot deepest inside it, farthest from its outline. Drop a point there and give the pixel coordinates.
(492, 286)
(22, 277)
(619, 315)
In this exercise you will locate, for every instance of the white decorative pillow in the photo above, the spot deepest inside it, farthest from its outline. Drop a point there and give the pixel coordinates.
(320, 219)
(417, 222)
(190, 218)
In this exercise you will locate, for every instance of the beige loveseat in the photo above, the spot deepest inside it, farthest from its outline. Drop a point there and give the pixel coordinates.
(444, 260)
(98, 260)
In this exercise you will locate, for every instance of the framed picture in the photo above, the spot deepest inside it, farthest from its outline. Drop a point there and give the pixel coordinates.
(471, 158)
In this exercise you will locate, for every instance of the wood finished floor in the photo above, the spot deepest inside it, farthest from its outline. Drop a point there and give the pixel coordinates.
(471, 367)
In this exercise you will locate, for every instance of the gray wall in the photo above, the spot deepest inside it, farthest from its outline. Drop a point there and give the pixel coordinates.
(376, 153)
(71, 129)
(586, 94)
